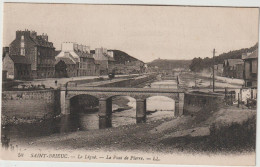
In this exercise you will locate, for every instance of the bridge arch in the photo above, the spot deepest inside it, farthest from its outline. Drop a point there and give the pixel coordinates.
(83, 103)
(73, 95)
(115, 96)
(160, 102)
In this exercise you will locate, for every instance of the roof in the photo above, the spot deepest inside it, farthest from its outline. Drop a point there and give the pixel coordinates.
(41, 42)
(65, 60)
(19, 59)
(57, 52)
(253, 55)
(72, 55)
(84, 54)
(233, 62)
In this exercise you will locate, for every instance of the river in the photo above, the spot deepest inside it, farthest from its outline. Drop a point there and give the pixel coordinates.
(158, 107)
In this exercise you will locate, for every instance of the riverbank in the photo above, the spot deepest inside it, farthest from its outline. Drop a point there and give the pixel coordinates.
(201, 80)
(228, 130)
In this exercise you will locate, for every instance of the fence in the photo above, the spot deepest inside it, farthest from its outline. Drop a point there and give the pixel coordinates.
(246, 96)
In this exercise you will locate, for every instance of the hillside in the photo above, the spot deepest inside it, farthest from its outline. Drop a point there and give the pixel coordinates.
(198, 64)
(169, 64)
(120, 56)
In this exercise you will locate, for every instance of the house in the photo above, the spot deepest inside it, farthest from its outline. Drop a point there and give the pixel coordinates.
(220, 70)
(231, 68)
(135, 66)
(85, 64)
(5, 50)
(37, 50)
(16, 67)
(97, 68)
(87, 61)
(105, 59)
(239, 73)
(65, 67)
(250, 69)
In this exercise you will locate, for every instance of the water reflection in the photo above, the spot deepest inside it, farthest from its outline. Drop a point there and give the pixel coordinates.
(105, 122)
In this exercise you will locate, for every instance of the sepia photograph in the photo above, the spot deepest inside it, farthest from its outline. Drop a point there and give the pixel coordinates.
(138, 84)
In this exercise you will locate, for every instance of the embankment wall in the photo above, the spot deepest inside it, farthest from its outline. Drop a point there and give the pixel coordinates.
(129, 82)
(30, 104)
(194, 102)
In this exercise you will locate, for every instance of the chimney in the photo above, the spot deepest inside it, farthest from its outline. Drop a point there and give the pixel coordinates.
(18, 34)
(67, 46)
(33, 34)
(45, 37)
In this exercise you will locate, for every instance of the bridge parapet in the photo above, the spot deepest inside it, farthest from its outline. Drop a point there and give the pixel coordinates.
(137, 93)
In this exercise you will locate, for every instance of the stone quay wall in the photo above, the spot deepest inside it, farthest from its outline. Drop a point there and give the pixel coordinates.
(36, 104)
(194, 102)
(130, 82)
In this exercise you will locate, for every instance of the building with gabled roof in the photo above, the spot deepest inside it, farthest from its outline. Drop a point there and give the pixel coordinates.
(65, 67)
(233, 68)
(38, 50)
(81, 56)
(250, 69)
(16, 67)
(106, 60)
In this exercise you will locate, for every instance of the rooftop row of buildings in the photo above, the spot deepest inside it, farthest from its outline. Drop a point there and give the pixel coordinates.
(244, 68)
(32, 56)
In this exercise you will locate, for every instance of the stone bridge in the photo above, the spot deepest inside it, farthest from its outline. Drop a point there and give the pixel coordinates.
(105, 94)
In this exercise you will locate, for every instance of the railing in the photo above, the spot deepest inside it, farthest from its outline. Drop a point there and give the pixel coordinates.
(114, 89)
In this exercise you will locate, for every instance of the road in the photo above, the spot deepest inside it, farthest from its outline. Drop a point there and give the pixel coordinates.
(50, 82)
(199, 81)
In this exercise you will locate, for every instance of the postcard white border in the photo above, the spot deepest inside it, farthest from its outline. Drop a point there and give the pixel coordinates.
(220, 3)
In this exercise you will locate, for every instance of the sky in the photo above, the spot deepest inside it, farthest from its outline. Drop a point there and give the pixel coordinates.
(144, 32)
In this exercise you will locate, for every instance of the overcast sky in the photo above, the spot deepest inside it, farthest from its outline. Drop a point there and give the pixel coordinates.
(145, 32)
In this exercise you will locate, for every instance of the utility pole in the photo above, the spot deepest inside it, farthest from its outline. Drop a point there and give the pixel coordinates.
(213, 71)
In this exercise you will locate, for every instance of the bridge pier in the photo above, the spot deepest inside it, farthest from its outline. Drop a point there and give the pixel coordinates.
(179, 105)
(64, 103)
(140, 110)
(105, 107)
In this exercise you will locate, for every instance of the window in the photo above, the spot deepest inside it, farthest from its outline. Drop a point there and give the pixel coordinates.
(249, 83)
(22, 37)
(22, 51)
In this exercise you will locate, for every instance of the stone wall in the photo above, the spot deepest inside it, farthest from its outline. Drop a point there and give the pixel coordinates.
(30, 104)
(194, 102)
(129, 82)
